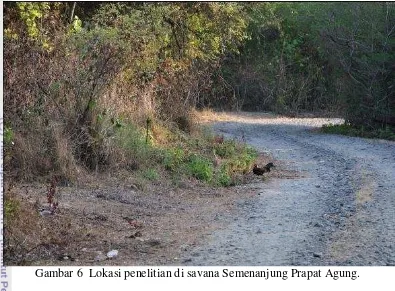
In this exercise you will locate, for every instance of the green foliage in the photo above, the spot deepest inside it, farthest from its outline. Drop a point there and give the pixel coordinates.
(313, 57)
(81, 71)
(223, 177)
(8, 135)
(192, 159)
(280, 68)
(137, 153)
(173, 31)
(344, 129)
(138, 30)
(240, 163)
(78, 67)
(201, 168)
(214, 27)
(387, 132)
(76, 26)
(11, 209)
(226, 149)
(247, 157)
(33, 15)
(131, 137)
(357, 38)
(150, 174)
(237, 159)
(174, 159)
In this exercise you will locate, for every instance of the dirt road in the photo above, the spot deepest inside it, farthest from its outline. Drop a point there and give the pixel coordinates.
(340, 210)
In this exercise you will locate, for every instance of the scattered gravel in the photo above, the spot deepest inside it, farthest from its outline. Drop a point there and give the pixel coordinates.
(338, 211)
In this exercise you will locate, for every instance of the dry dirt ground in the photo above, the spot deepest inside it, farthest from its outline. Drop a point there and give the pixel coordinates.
(148, 227)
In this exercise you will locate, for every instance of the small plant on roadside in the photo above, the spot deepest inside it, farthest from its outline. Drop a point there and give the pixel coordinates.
(222, 177)
(225, 149)
(130, 148)
(8, 135)
(201, 168)
(151, 174)
(174, 159)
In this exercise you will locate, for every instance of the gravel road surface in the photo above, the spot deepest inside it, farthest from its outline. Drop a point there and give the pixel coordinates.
(340, 210)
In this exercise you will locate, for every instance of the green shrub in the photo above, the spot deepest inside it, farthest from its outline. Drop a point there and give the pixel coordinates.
(201, 168)
(131, 144)
(236, 159)
(344, 128)
(227, 149)
(8, 135)
(243, 161)
(223, 178)
(387, 133)
(151, 174)
(174, 159)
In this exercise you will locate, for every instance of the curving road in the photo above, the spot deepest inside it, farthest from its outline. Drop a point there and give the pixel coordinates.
(340, 211)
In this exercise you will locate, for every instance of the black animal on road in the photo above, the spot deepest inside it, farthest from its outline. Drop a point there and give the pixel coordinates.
(260, 171)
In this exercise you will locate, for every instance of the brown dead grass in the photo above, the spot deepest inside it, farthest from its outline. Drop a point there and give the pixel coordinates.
(209, 115)
(41, 153)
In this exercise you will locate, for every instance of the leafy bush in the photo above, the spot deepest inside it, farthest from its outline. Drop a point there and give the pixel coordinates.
(8, 135)
(129, 148)
(223, 178)
(226, 149)
(243, 160)
(96, 77)
(201, 168)
(151, 174)
(174, 159)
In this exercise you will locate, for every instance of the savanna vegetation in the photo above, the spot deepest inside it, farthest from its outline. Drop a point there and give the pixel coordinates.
(104, 85)
(95, 87)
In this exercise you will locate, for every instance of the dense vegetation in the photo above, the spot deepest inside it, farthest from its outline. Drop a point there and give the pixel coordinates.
(103, 85)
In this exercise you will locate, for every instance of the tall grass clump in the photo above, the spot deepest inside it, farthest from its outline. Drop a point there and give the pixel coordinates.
(236, 164)
(174, 159)
(131, 150)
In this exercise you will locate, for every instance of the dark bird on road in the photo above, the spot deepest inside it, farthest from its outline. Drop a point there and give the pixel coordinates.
(260, 171)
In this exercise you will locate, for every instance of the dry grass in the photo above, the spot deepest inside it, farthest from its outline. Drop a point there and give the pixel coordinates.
(209, 115)
(41, 153)
(65, 162)
(91, 220)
